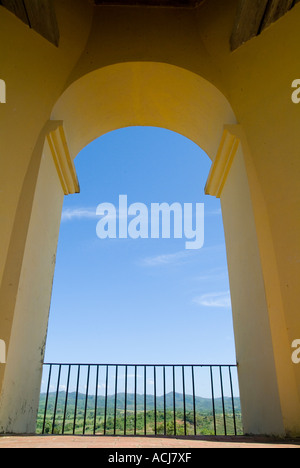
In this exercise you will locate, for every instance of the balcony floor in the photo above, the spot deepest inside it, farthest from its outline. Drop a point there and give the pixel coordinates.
(143, 442)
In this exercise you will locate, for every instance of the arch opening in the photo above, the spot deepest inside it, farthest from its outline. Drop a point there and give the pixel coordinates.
(159, 96)
(141, 300)
(153, 168)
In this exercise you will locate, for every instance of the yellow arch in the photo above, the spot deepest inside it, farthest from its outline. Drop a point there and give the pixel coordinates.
(143, 94)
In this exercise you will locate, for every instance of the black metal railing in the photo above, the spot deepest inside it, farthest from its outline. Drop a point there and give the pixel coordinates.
(106, 399)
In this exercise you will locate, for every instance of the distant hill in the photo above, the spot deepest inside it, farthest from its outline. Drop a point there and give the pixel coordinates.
(203, 405)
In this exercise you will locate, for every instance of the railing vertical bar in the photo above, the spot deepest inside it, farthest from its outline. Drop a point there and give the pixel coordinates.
(105, 405)
(76, 399)
(213, 399)
(116, 398)
(174, 402)
(155, 405)
(47, 398)
(165, 409)
(56, 399)
(86, 397)
(145, 400)
(66, 402)
(184, 399)
(96, 400)
(135, 393)
(125, 406)
(223, 402)
(232, 401)
(194, 401)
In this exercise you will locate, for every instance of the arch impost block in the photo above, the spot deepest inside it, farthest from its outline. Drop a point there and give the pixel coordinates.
(222, 164)
(63, 161)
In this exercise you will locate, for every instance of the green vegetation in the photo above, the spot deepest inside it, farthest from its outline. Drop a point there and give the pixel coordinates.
(141, 421)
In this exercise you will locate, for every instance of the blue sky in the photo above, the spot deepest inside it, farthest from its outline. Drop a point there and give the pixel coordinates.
(144, 300)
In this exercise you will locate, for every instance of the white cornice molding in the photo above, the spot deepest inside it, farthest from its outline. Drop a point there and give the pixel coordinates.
(62, 159)
(221, 166)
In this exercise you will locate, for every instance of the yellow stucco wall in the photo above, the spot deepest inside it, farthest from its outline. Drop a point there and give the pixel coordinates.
(117, 67)
(35, 73)
(22, 378)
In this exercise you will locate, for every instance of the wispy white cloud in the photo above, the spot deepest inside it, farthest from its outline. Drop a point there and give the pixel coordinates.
(180, 257)
(216, 212)
(212, 274)
(168, 259)
(215, 299)
(70, 214)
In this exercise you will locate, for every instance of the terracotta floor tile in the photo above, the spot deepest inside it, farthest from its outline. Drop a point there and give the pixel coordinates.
(141, 442)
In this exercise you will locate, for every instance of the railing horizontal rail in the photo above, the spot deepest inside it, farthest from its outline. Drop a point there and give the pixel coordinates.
(139, 365)
(139, 399)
